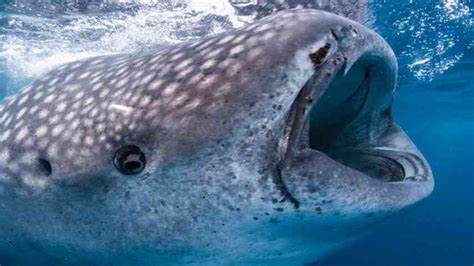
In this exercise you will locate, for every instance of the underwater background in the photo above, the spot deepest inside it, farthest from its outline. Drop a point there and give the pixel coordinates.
(433, 41)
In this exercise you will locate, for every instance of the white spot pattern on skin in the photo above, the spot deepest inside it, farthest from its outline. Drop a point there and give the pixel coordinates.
(237, 49)
(70, 116)
(21, 134)
(134, 99)
(61, 107)
(95, 80)
(177, 56)
(138, 74)
(150, 114)
(76, 139)
(155, 85)
(122, 82)
(19, 124)
(21, 112)
(53, 81)
(23, 100)
(193, 104)
(269, 35)
(226, 39)
(97, 62)
(94, 111)
(63, 67)
(4, 117)
(72, 87)
(206, 51)
(53, 149)
(89, 101)
(76, 105)
(85, 75)
(121, 71)
(118, 93)
(145, 101)
(75, 65)
(43, 143)
(88, 122)
(4, 136)
(33, 110)
(184, 73)
(254, 53)
(193, 80)
(239, 39)
(108, 75)
(209, 64)
(89, 140)
(79, 95)
(97, 87)
(38, 95)
(41, 131)
(55, 119)
(43, 114)
(7, 121)
(214, 53)
(57, 130)
(170, 89)
(121, 108)
(183, 64)
(263, 27)
(104, 93)
(45, 78)
(100, 127)
(74, 124)
(147, 79)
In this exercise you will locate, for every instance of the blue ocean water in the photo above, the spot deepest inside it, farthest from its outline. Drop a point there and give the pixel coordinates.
(435, 102)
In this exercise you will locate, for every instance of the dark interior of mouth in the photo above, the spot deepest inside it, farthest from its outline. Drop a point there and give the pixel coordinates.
(349, 118)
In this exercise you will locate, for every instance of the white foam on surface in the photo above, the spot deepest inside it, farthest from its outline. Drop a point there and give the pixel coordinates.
(32, 42)
(37, 43)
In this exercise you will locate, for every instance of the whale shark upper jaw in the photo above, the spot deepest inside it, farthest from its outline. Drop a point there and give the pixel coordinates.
(342, 119)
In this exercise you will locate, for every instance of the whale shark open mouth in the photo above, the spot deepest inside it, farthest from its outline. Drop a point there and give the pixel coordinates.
(351, 123)
(345, 114)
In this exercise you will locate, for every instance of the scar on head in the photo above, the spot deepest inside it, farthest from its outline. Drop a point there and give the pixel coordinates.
(318, 57)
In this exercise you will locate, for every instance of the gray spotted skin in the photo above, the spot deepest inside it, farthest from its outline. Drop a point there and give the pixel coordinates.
(211, 117)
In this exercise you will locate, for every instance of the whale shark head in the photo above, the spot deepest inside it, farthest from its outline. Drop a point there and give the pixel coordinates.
(272, 142)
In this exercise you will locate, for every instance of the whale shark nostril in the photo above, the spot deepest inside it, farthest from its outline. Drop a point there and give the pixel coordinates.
(44, 167)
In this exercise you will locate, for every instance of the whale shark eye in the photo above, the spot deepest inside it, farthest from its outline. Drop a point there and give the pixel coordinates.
(129, 160)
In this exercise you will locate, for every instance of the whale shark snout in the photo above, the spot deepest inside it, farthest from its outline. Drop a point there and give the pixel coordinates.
(270, 143)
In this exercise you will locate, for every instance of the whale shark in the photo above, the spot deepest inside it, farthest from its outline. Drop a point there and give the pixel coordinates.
(272, 143)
